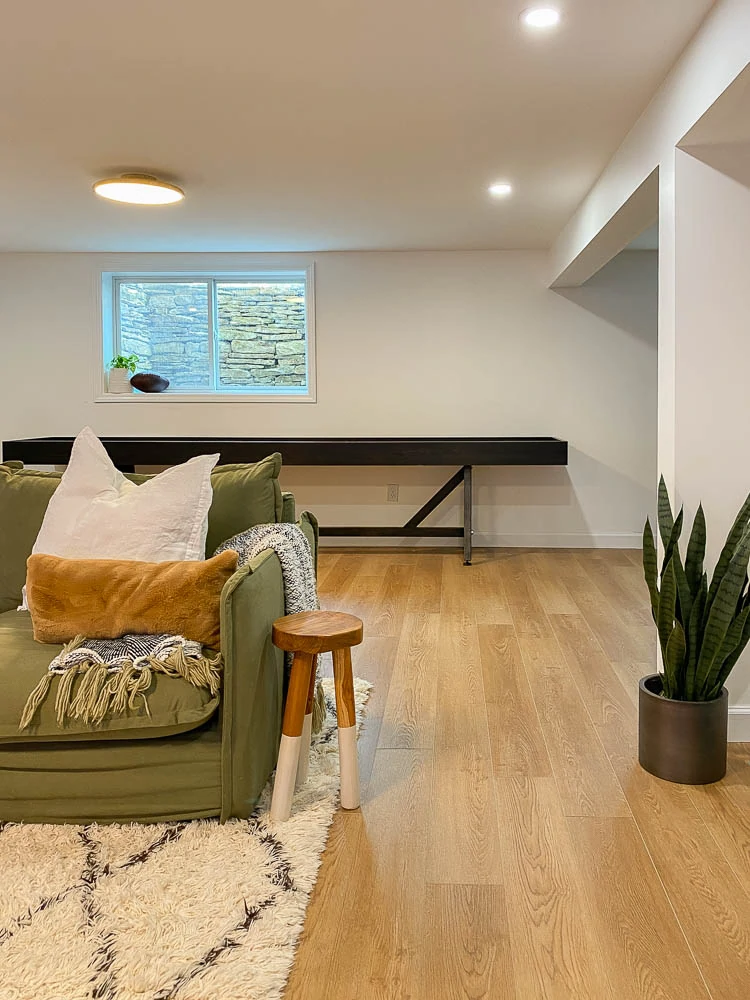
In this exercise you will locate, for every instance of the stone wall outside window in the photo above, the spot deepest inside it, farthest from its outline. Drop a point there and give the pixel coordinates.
(260, 336)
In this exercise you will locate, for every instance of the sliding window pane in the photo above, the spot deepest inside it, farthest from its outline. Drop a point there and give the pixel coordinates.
(261, 334)
(166, 324)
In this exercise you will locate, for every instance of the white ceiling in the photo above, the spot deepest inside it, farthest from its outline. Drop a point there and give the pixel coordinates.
(332, 124)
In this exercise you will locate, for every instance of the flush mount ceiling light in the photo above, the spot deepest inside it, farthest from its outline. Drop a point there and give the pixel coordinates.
(139, 189)
(541, 17)
(500, 189)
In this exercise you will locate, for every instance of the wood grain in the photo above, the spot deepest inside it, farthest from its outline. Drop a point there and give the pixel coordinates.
(587, 783)
(467, 952)
(426, 585)
(485, 862)
(409, 720)
(554, 938)
(643, 947)
(387, 614)
(516, 738)
(529, 617)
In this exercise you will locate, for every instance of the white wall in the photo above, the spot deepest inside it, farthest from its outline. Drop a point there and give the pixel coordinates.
(408, 344)
(712, 458)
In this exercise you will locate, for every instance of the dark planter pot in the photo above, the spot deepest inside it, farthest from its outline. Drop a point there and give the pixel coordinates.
(682, 741)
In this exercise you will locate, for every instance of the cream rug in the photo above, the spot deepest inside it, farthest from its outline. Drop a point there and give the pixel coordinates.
(190, 911)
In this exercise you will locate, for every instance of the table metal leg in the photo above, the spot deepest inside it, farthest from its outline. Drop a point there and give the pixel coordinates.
(468, 530)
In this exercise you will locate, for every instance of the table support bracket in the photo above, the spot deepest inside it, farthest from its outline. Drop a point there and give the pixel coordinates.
(413, 527)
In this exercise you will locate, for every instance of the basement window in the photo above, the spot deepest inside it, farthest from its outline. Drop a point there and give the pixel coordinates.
(243, 335)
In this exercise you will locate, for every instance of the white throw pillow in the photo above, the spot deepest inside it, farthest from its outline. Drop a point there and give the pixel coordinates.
(96, 513)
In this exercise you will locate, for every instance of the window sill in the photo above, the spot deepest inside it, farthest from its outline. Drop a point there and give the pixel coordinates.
(204, 397)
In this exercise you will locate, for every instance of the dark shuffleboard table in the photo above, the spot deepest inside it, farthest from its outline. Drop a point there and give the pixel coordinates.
(127, 452)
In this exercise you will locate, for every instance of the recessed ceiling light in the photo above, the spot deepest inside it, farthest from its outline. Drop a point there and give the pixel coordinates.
(139, 189)
(541, 17)
(501, 189)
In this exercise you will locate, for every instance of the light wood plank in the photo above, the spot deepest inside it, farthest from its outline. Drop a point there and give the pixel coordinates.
(461, 704)
(409, 720)
(644, 948)
(374, 660)
(467, 953)
(619, 640)
(587, 783)
(457, 596)
(702, 887)
(426, 585)
(610, 707)
(528, 614)
(464, 843)
(555, 941)
(630, 606)
(376, 951)
(328, 903)
(553, 595)
(516, 738)
(488, 597)
(387, 615)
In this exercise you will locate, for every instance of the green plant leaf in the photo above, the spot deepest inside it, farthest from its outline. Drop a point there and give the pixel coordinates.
(685, 598)
(694, 637)
(666, 521)
(696, 551)
(650, 568)
(671, 543)
(665, 619)
(728, 664)
(723, 610)
(736, 532)
(731, 640)
(674, 661)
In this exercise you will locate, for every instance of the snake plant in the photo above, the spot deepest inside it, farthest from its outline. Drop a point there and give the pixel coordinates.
(702, 627)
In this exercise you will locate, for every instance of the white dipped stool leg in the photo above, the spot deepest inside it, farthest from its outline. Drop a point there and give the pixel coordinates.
(347, 728)
(286, 771)
(291, 739)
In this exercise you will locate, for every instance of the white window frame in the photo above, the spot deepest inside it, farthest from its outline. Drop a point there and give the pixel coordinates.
(216, 394)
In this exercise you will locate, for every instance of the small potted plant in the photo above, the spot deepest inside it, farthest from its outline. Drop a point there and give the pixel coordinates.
(121, 367)
(703, 629)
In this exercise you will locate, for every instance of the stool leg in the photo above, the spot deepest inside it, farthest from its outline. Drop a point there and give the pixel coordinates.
(294, 711)
(347, 727)
(304, 746)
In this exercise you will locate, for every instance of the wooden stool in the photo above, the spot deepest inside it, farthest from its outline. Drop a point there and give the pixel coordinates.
(307, 634)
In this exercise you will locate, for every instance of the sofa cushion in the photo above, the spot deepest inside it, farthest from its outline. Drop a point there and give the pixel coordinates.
(24, 495)
(243, 496)
(175, 705)
(109, 598)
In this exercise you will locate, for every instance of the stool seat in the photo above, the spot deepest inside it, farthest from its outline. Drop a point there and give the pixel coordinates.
(317, 632)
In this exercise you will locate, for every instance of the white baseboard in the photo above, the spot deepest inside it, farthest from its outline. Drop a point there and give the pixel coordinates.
(566, 540)
(739, 724)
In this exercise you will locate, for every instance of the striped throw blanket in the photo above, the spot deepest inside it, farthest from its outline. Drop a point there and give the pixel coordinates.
(99, 678)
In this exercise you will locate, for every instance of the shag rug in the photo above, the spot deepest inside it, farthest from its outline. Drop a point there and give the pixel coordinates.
(189, 910)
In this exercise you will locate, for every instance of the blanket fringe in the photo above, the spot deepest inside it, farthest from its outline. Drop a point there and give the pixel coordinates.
(319, 711)
(90, 692)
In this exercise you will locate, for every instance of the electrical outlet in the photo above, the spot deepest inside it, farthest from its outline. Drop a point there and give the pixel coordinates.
(393, 493)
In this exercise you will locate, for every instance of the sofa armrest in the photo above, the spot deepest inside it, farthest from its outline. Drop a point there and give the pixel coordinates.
(288, 509)
(253, 693)
(309, 524)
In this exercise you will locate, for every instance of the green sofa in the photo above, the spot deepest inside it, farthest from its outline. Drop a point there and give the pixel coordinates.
(194, 755)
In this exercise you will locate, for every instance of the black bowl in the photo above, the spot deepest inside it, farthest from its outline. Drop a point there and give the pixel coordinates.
(147, 382)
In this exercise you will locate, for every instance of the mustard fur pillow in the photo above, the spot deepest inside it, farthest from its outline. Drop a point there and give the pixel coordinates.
(108, 598)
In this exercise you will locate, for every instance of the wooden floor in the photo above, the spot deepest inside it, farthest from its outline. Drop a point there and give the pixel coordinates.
(508, 844)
